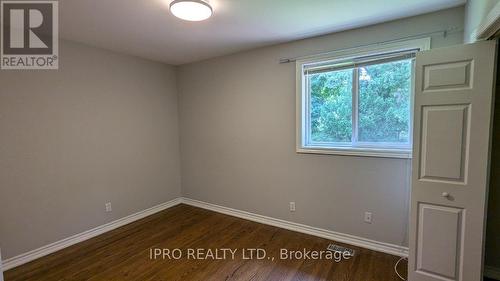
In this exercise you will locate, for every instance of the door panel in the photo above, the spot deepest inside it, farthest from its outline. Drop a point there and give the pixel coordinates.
(439, 252)
(444, 142)
(447, 76)
(452, 127)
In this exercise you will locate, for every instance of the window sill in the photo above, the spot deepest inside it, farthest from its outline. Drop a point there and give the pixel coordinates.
(367, 152)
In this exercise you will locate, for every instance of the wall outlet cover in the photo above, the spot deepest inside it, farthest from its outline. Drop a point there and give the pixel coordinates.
(368, 217)
(108, 207)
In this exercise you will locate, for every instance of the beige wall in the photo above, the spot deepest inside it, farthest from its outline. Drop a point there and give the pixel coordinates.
(102, 128)
(475, 12)
(237, 121)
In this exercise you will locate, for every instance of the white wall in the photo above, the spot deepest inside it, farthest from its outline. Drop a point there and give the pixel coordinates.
(102, 128)
(475, 12)
(237, 121)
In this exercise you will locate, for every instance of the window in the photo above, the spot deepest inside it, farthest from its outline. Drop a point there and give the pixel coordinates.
(358, 104)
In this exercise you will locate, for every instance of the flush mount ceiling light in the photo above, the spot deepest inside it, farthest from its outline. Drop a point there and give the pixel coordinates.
(191, 10)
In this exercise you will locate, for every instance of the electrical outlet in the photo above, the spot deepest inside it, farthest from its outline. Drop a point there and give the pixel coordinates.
(108, 207)
(368, 217)
(292, 206)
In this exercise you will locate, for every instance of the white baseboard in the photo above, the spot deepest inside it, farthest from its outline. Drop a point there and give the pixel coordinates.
(492, 272)
(59, 245)
(323, 233)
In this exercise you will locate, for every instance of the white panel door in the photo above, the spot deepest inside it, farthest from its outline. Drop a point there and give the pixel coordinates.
(452, 127)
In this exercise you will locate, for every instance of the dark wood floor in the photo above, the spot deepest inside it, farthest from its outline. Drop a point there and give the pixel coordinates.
(124, 254)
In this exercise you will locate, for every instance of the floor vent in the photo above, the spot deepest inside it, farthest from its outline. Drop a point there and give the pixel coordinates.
(337, 248)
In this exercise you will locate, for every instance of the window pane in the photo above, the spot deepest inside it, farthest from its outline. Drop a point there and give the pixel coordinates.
(331, 106)
(384, 102)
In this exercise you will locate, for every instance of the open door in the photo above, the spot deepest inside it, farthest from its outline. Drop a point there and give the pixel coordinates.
(452, 128)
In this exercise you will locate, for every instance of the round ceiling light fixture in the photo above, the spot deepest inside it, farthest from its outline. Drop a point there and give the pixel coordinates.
(191, 10)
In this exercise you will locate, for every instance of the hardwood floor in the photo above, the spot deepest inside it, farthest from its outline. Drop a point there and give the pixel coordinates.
(124, 254)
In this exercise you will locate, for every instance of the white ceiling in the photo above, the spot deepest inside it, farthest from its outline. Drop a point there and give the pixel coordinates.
(146, 28)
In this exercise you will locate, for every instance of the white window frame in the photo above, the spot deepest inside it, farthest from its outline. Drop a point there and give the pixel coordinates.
(389, 150)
